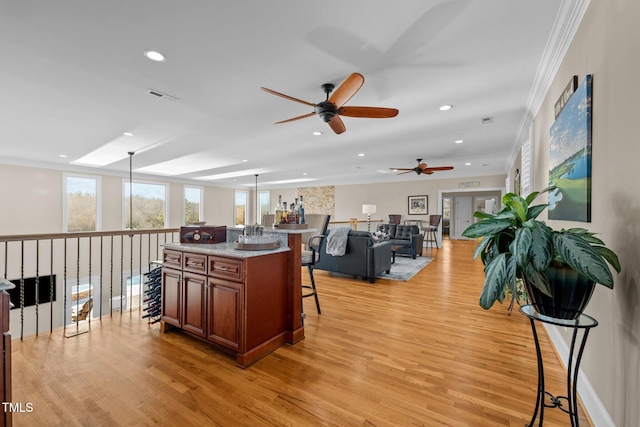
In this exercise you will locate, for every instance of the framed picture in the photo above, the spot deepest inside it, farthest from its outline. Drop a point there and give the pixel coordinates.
(418, 205)
(570, 158)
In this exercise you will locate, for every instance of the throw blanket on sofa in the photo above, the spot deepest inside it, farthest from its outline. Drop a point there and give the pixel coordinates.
(337, 241)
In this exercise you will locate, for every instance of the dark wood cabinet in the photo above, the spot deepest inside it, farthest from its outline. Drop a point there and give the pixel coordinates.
(238, 304)
(5, 372)
(171, 297)
(194, 306)
(224, 303)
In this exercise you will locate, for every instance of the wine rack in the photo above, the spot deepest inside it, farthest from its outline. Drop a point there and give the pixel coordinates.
(153, 294)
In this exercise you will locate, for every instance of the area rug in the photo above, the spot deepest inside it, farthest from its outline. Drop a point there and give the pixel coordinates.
(405, 268)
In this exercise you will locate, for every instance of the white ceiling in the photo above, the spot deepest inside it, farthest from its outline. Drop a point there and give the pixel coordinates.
(74, 78)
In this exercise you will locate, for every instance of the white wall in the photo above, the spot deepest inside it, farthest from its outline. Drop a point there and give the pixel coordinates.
(606, 46)
(32, 201)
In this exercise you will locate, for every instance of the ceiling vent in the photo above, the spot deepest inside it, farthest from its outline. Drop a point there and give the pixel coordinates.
(159, 94)
(486, 120)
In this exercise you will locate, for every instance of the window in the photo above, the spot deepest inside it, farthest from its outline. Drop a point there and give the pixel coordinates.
(240, 207)
(265, 205)
(192, 204)
(149, 205)
(81, 203)
(526, 167)
(446, 208)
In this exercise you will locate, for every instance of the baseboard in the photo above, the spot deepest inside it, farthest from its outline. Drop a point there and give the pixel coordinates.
(590, 401)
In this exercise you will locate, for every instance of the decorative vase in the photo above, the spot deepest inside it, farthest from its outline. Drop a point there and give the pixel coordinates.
(570, 292)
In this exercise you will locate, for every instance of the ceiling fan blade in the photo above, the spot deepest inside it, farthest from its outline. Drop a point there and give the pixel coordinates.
(422, 166)
(290, 98)
(409, 171)
(347, 89)
(401, 169)
(337, 124)
(439, 168)
(368, 112)
(296, 118)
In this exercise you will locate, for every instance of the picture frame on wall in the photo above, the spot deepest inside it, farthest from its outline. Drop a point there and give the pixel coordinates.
(570, 157)
(418, 205)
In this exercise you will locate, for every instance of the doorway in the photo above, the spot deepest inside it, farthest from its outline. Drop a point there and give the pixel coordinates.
(482, 199)
(462, 217)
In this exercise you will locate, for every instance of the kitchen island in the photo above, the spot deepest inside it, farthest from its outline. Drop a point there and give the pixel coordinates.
(246, 303)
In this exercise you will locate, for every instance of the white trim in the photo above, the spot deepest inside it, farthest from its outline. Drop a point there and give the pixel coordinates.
(464, 190)
(98, 179)
(570, 14)
(259, 207)
(184, 203)
(246, 209)
(591, 402)
(167, 199)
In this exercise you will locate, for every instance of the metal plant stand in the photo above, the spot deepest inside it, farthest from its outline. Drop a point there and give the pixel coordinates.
(583, 323)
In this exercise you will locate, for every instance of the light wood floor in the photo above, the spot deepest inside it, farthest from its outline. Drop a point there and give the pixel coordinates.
(417, 353)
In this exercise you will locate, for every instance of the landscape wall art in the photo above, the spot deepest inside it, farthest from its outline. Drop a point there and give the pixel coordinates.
(570, 158)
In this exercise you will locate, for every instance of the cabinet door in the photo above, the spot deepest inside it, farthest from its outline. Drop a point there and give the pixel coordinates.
(224, 315)
(171, 296)
(193, 315)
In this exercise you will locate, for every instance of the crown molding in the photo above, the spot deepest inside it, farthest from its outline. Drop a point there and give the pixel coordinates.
(568, 19)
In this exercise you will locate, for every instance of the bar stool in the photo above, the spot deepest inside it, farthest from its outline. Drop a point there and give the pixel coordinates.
(309, 259)
(431, 230)
(394, 219)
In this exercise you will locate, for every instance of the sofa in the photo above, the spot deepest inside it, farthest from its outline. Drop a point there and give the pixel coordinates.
(407, 238)
(362, 257)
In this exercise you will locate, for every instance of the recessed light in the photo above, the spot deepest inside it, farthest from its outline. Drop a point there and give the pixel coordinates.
(64, 156)
(317, 133)
(467, 164)
(446, 107)
(360, 154)
(154, 55)
(304, 174)
(459, 141)
(244, 160)
(127, 134)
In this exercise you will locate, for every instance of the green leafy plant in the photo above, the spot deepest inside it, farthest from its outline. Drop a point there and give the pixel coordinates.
(516, 245)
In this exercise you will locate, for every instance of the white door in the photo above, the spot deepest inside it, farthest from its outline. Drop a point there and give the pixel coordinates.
(462, 217)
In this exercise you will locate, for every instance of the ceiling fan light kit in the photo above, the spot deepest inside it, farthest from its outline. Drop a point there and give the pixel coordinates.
(333, 107)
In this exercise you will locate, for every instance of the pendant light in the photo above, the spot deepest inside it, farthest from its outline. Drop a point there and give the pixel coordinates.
(257, 206)
(131, 153)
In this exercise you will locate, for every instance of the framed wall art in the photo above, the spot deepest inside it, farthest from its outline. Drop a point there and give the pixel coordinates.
(418, 205)
(570, 157)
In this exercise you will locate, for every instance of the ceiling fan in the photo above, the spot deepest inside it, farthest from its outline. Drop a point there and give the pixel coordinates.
(333, 107)
(422, 168)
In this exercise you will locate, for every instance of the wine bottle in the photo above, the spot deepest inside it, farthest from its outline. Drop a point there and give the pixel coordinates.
(281, 213)
(301, 211)
(291, 215)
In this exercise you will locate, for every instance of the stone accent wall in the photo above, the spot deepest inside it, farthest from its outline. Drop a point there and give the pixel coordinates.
(319, 200)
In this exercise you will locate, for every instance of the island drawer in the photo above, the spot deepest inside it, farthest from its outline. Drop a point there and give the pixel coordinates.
(196, 263)
(226, 268)
(172, 259)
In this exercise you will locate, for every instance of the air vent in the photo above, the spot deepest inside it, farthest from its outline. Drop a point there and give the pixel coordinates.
(486, 120)
(159, 94)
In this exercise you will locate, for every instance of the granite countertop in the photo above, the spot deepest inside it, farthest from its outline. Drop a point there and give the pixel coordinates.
(278, 231)
(222, 249)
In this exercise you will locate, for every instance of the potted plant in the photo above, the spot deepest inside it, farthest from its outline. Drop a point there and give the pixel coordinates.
(558, 267)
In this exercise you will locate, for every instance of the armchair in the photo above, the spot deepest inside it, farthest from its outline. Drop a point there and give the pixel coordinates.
(407, 238)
